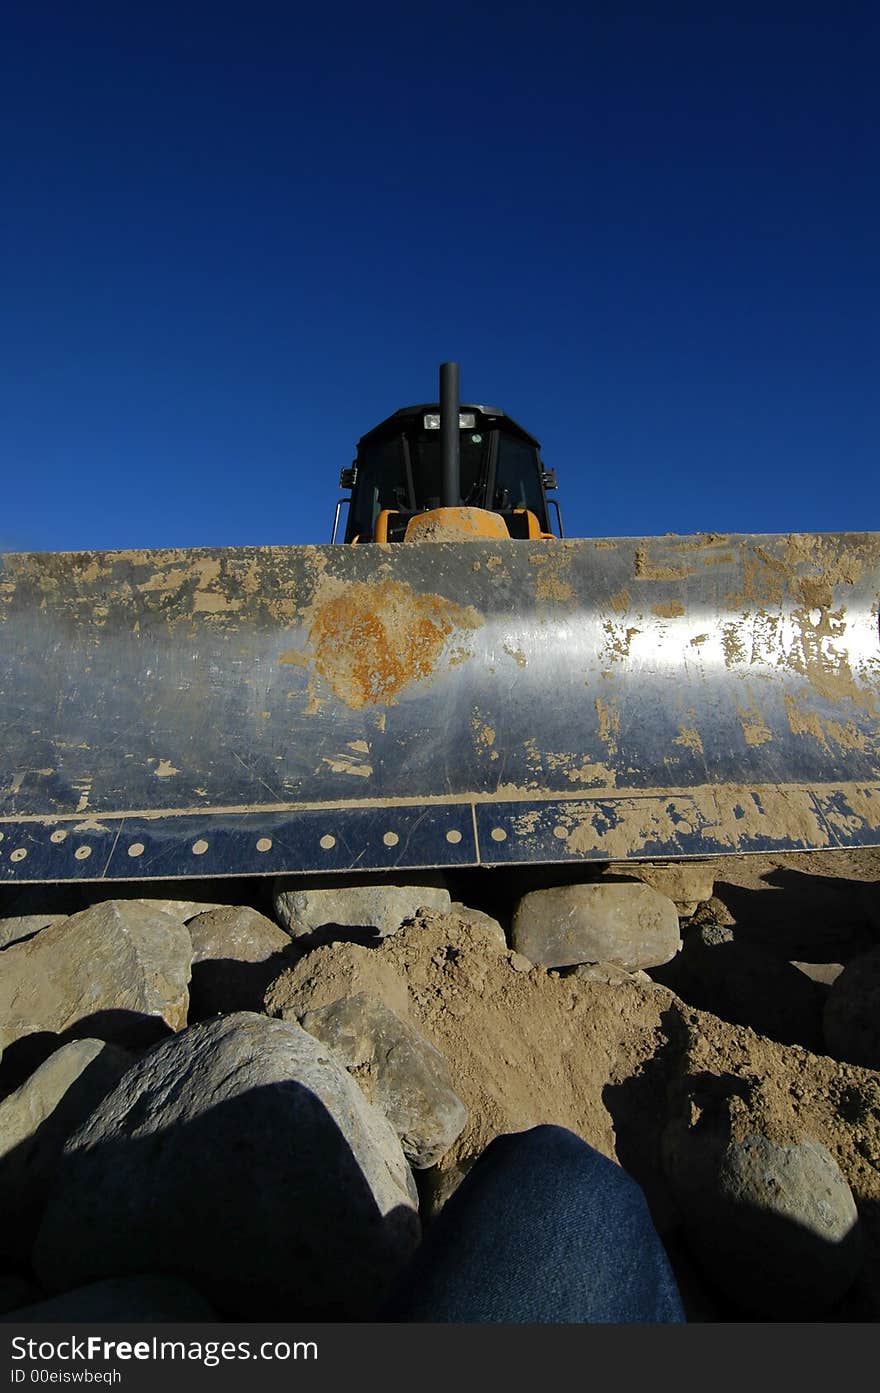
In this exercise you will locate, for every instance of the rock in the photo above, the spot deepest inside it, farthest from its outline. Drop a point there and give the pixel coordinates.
(710, 935)
(36, 1121)
(826, 974)
(851, 1019)
(141, 1298)
(747, 986)
(331, 974)
(118, 970)
(480, 921)
(398, 1069)
(774, 1226)
(686, 883)
(519, 962)
(625, 923)
(164, 894)
(375, 908)
(608, 973)
(712, 914)
(237, 952)
(241, 1156)
(24, 926)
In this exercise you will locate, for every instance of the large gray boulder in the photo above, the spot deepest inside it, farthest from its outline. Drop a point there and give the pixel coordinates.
(626, 923)
(374, 908)
(237, 952)
(241, 1156)
(399, 1070)
(35, 1122)
(116, 970)
(164, 894)
(772, 1225)
(851, 1020)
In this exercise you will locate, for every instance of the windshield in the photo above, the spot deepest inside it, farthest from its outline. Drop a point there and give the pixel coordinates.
(427, 467)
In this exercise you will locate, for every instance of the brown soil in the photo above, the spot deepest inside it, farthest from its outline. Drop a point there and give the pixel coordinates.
(614, 1061)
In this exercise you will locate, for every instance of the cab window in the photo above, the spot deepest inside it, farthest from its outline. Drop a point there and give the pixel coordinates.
(381, 483)
(517, 477)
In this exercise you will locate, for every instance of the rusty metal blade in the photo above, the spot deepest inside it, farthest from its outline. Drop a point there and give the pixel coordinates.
(267, 709)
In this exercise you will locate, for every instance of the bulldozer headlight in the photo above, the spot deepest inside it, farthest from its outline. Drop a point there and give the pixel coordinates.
(466, 420)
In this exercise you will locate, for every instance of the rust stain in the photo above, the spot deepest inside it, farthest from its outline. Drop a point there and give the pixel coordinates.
(164, 769)
(371, 641)
(698, 639)
(293, 657)
(670, 609)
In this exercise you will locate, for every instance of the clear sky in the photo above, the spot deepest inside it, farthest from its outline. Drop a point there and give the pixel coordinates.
(235, 236)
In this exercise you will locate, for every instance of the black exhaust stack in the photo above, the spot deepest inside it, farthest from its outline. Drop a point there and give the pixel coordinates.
(450, 490)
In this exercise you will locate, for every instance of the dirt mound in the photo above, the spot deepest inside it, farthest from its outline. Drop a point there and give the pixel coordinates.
(612, 1061)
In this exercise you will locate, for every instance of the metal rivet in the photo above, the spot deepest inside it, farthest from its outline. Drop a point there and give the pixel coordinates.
(327, 842)
(83, 853)
(560, 832)
(136, 849)
(391, 839)
(18, 854)
(498, 834)
(454, 836)
(199, 848)
(264, 844)
(58, 836)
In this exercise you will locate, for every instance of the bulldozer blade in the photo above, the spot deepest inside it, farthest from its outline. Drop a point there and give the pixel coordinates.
(353, 708)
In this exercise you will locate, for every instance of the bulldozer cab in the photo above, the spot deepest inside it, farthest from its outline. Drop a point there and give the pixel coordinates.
(398, 473)
(497, 699)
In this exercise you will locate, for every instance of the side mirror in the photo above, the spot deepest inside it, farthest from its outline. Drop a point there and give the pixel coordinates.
(548, 478)
(347, 477)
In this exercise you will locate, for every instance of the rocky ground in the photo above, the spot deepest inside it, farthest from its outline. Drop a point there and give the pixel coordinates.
(241, 1100)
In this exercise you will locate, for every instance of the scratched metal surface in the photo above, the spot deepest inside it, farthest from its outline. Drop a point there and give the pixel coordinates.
(257, 710)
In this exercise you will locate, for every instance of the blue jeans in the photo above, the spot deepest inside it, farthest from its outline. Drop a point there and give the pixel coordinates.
(542, 1229)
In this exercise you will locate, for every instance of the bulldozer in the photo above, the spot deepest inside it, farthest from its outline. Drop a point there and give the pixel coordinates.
(454, 684)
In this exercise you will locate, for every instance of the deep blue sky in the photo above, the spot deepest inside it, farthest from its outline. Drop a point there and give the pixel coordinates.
(235, 236)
